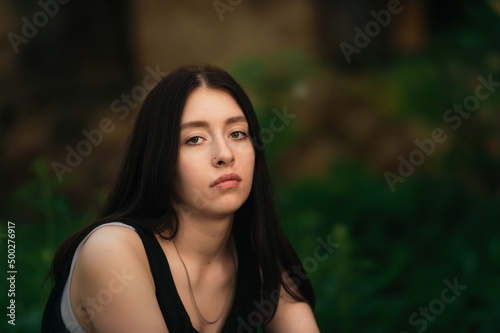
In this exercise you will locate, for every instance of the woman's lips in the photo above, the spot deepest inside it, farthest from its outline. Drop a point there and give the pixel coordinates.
(226, 184)
(228, 180)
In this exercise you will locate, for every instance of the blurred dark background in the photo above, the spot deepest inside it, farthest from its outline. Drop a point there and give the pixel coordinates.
(377, 158)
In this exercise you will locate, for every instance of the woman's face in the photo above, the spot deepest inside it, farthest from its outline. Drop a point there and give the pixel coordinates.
(213, 125)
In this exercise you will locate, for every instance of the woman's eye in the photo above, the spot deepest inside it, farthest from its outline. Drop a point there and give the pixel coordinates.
(238, 135)
(194, 140)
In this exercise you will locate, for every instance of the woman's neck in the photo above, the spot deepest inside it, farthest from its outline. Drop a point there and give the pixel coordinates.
(204, 239)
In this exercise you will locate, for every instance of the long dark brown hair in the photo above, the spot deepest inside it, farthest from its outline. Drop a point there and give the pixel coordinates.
(145, 181)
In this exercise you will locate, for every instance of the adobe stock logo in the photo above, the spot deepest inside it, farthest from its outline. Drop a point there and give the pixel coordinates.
(264, 308)
(95, 136)
(221, 7)
(453, 117)
(93, 305)
(448, 295)
(372, 29)
(40, 19)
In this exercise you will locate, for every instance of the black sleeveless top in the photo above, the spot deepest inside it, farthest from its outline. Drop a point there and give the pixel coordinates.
(241, 317)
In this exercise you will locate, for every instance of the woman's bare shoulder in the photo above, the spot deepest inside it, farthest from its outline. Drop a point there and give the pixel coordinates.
(109, 236)
(113, 267)
(111, 246)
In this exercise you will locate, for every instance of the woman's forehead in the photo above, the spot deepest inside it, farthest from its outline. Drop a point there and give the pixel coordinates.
(210, 105)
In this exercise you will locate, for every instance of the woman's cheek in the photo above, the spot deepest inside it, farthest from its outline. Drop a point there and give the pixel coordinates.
(248, 153)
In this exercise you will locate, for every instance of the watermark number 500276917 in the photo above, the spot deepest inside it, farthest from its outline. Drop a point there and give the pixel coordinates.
(11, 272)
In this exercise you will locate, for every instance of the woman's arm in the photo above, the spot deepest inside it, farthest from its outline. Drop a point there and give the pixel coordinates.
(292, 316)
(112, 289)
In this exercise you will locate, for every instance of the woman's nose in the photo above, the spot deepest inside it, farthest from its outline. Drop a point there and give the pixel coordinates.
(222, 154)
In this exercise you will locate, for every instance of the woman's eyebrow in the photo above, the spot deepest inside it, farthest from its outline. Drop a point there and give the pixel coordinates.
(199, 123)
(236, 119)
(202, 123)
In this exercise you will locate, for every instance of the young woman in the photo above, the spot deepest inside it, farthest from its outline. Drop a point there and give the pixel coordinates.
(189, 239)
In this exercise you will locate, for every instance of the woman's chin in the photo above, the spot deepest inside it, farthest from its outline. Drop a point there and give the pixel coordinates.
(224, 209)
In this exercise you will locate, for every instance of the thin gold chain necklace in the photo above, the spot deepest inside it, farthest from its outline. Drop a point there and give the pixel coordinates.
(192, 294)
